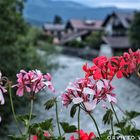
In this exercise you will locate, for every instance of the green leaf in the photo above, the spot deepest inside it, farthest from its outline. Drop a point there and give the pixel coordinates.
(25, 118)
(40, 127)
(73, 110)
(121, 124)
(108, 117)
(46, 125)
(104, 136)
(132, 114)
(13, 137)
(50, 103)
(68, 128)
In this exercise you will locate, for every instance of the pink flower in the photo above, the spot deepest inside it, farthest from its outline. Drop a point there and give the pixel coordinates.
(32, 82)
(88, 92)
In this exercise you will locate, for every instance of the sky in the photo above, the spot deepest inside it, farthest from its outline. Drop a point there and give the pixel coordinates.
(135, 4)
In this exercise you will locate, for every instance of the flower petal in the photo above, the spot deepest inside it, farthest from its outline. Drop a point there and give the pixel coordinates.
(90, 106)
(77, 100)
(2, 101)
(88, 91)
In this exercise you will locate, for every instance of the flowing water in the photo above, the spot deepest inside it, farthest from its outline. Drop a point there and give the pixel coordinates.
(70, 68)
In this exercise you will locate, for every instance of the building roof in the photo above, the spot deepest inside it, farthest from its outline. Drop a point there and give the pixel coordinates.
(54, 27)
(119, 42)
(72, 36)
(86, 24)
(125, 18)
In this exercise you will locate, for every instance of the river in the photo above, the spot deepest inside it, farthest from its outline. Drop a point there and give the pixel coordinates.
(69, 69)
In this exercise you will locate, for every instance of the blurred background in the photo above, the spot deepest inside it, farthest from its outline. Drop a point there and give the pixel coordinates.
(59, 36)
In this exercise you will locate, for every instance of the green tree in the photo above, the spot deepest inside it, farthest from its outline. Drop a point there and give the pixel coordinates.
(94, 40)
(17, 49)
(57, 20)
(135, 31)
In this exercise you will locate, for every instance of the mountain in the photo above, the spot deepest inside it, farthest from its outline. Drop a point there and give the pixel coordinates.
(39, 12)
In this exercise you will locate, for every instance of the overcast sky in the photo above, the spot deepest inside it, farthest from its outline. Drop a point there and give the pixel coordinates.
(118, 3)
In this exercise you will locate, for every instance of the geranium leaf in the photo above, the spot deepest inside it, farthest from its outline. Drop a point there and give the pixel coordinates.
(107, 118)
(68, 128)
(132, 114)
(50, 103)
(73, 110)
(25, 118)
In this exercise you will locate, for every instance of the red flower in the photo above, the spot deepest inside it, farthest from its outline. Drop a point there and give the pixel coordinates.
(120, 66)
(84, 136)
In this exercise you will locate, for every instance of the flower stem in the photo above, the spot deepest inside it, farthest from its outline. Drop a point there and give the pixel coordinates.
(57, 119)
(13, 111)
(116, 116)
(79, 123)
(95, 124)
(115, 113)
(30, 115)
(112, 128)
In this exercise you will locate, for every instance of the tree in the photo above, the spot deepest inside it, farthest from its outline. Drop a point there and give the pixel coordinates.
(17, 49)
(11, 22)
(57, 20)
(94, 40)
(134, 32)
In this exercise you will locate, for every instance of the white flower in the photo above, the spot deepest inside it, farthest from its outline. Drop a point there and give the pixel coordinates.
(90, 105)
(89, 91)
(2, 101)
(111, 98)
(77, 100)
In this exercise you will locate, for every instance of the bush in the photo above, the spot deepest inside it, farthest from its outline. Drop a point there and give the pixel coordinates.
(76, 44)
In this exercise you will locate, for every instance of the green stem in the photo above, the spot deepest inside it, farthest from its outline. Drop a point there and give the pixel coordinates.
(95, 124)
(57, 119)
(115, 113)
(116, 117)
(30, 115)
(129, 120)
(79, 123)
(13, 111)
(112, 128)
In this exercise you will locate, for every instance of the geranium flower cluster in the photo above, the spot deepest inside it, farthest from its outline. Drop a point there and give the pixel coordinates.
(84, 136)
(32, 82)
(88, 92)
(2, 90)
(107, 68)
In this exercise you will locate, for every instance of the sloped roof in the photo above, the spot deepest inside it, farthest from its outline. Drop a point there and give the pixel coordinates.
(117, 41)
(54, 27)
(125, 18)
(72, 36)
(86, 24)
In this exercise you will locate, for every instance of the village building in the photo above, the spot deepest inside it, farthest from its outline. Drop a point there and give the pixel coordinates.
(54, 30)
(116, 27)
(75, 25)
(76, 29)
